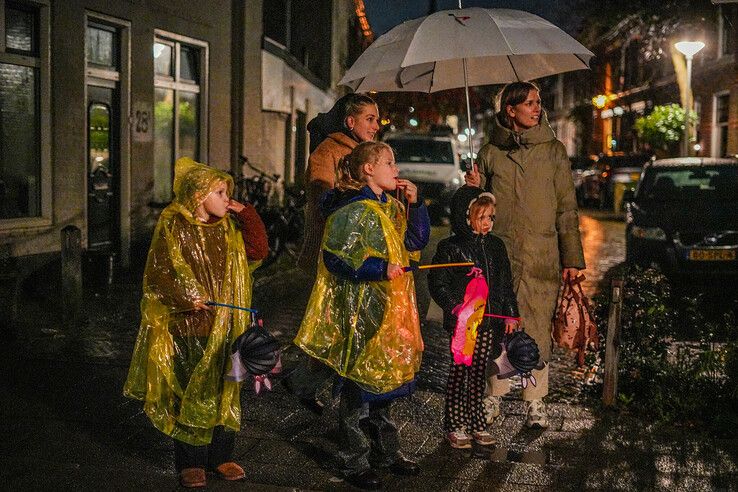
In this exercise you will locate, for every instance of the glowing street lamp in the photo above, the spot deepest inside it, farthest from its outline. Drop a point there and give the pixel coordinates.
(599, 101)
(688, 49)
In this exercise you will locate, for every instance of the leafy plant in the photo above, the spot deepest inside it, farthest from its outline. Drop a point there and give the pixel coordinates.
(678, 381)
(664, 127)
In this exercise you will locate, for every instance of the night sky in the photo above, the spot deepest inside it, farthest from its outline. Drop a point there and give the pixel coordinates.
(385, 14)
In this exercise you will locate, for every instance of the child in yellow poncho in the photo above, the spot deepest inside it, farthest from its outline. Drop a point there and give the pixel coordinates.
(362, 319)
(200, 252)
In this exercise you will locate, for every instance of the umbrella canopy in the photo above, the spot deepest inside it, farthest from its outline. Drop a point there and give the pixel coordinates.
(496, 45)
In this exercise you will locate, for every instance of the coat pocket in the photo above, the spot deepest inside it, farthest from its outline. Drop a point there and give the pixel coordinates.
(542, 256)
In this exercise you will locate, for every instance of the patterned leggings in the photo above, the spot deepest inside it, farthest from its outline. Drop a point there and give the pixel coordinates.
(464, 409)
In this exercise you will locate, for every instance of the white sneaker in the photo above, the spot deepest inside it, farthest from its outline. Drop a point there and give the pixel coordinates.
(492, 408)
(459, 439)
(536, 416)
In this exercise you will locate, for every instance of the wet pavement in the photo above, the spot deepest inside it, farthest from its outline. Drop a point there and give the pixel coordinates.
(603, 240)
(66, 425)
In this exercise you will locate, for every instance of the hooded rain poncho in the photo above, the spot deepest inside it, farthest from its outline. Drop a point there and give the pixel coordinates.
(368, 332)
(181, 354)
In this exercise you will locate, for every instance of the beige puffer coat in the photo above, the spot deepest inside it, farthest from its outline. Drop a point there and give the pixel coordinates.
(530, 175)
(320, 177)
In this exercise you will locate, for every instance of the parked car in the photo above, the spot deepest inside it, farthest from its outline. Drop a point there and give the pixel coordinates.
(604, 183)
(580, 166)
(432, 163)
(684, 217)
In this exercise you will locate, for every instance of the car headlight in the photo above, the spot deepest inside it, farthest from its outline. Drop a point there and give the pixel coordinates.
(654, 233)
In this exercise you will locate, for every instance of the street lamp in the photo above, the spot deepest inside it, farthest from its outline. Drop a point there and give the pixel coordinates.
(688, 49)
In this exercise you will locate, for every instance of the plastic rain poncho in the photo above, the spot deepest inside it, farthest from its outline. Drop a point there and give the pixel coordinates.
(181, 354)
(367, 332)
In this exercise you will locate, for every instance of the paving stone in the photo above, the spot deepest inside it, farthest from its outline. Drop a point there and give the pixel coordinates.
(574, 425)
(534, 475)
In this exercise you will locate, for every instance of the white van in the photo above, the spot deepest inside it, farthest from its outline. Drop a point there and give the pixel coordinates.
(433, 164)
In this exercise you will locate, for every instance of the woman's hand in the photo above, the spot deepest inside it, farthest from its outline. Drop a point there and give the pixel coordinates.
(394, 271)
(409, 188)
(472, 177)
(235, 206)
(568, 273)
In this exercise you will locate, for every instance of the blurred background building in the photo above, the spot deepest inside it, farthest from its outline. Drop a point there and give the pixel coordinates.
(98, 98)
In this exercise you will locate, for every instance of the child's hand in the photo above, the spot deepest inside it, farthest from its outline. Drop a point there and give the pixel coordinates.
(201, 306)
(511, 325)
(394, 271)
(235, 206)
(410, 190)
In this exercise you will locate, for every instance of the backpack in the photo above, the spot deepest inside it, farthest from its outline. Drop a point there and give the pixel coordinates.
(574, 327)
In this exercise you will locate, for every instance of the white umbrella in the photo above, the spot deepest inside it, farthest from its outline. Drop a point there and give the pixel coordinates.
(463, 47)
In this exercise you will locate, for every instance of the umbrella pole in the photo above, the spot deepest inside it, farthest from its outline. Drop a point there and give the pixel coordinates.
(468, 114)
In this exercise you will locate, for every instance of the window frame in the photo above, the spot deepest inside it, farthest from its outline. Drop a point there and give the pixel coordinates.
(722, 42)
(42, 63)
(119, 79)
(716, 125)
(177, 84)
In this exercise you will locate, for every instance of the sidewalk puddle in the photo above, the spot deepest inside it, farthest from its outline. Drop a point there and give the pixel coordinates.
(537, 457)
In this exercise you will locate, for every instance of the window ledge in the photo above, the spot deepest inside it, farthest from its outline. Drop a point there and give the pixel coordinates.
(281, 51)
(10, 228)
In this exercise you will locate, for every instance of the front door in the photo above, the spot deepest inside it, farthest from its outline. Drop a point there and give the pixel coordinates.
(103, 175)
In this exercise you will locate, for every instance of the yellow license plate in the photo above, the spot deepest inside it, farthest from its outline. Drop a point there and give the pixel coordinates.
(635, 176)
(712, 254)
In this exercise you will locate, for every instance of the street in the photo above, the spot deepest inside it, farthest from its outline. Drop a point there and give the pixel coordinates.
(131, 132)
(67, 425)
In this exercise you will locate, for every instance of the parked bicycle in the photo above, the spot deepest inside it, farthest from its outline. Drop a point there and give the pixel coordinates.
(283, 218)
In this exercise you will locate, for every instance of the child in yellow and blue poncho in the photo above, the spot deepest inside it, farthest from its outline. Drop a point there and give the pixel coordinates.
(362, 318)
(199, 253)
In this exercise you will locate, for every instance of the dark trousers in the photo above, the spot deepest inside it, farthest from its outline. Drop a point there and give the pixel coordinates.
(308, 377)
(422, 295)
(464, 408)
(368, 436)
(219, 451)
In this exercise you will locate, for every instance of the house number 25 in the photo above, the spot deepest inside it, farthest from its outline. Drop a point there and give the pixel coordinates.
(142, 121)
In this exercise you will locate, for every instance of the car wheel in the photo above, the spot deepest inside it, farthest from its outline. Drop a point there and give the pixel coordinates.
(635, 257)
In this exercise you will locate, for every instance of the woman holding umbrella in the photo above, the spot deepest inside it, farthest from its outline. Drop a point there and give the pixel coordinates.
(528, 170)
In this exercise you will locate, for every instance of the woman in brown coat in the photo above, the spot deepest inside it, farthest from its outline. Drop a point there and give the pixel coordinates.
(357, 121)
(352, 120)
(528, 170)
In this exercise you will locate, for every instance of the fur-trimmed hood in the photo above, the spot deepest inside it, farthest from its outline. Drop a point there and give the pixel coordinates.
(461, 202)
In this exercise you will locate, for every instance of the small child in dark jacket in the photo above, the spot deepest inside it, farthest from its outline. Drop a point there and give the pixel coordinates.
(472, 218)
